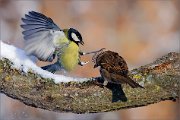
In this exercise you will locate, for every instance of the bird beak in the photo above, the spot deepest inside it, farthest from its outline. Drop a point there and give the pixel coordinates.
(95, 66)
(81, 42)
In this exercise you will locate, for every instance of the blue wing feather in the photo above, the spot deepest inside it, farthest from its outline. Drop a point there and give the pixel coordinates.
(37, 33)
(33, 26)
(34, 20)
(32, 31)
(39, 16)
(28, 17)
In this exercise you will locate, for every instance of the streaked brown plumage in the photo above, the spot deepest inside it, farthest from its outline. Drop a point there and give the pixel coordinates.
(113, 68)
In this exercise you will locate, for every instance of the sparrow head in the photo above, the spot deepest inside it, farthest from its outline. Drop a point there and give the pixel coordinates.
(75, 36)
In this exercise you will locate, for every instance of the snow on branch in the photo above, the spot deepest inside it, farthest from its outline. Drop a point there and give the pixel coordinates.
(21, 79)
(26, 63)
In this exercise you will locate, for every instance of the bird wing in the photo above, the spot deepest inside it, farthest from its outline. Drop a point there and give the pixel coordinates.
(113, 63)
(118, 79)
(121, 79)
(120, 66)
(39, 32)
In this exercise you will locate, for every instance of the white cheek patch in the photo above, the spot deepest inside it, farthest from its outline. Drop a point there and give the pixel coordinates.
(73, 35)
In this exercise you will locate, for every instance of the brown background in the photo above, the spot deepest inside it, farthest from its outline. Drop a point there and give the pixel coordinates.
(139, 30)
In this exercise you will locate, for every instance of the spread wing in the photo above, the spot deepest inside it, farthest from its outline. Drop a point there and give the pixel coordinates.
(39, 32)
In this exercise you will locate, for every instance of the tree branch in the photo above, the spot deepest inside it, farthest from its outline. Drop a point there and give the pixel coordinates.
(160, 79)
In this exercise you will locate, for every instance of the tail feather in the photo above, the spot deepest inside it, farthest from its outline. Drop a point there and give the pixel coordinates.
(132, 83)
(119, 79)
(52, 67)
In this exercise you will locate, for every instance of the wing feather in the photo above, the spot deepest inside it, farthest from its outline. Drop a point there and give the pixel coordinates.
(33, 31)
(28, 17)
(32, 21)
(38, 35)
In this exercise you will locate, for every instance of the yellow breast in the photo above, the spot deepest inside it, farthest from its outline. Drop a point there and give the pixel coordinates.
(70, 56)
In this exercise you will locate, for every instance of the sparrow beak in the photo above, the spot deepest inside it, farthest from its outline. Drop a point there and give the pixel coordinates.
(95, 66)
(81, 42)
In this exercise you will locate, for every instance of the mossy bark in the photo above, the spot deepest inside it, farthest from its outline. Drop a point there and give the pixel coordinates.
(160, 80)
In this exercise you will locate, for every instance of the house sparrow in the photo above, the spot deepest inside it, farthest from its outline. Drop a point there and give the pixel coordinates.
(113, 68)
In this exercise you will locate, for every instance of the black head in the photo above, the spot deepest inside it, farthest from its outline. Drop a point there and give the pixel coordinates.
(75, 36)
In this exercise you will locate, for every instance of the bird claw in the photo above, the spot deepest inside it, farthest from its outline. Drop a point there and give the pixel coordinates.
(83, 63)
(105, 83)
(92, 52)
(82, 53)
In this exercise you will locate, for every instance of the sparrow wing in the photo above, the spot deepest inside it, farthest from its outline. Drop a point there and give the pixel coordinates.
(39, 32)
(120, 66)
(118, 79)
(121, 79)
(113, 63)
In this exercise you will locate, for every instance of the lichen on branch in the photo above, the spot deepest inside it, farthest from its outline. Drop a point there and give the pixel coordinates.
(160, 80)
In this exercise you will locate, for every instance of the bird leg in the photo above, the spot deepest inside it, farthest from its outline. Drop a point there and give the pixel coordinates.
(83, 63)
(86, 53)
(105, 82)
(105, 75)
(93, 52)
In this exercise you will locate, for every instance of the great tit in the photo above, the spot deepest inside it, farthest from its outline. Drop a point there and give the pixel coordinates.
(113, 68)
(45, 40)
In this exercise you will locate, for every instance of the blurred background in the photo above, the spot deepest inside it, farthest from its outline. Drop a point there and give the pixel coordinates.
(139, 30)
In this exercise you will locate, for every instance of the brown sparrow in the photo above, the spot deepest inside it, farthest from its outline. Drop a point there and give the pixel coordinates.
(113, 68)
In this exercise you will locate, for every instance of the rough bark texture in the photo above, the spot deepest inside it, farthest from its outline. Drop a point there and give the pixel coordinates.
(160, 79)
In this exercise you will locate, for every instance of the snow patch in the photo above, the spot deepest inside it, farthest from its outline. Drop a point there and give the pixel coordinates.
(23, 62)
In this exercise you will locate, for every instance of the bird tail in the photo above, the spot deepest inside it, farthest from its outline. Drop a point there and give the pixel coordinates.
(53, 67)
(133, 84)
